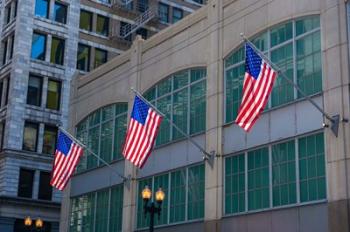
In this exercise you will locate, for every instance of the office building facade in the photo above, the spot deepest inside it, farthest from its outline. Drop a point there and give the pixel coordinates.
(44, 45)
(289, 173)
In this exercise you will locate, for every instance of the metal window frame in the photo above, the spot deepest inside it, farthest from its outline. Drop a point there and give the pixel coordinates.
(298, 202)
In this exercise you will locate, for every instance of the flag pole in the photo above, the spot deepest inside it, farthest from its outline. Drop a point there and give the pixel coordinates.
(94, 154)
(334, 119)
(207, 156)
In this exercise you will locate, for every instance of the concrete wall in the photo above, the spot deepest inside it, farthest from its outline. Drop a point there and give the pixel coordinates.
(205, 38)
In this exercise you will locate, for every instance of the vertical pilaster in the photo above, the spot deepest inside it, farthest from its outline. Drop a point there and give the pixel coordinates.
(336, 101)
(213, 174)
(129, 202)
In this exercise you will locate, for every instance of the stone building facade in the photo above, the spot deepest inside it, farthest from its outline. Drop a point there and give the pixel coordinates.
(290, 173)
(44, 45)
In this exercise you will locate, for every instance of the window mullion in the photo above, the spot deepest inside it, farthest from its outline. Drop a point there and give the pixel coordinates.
(294, 63)
(269, 104)
(246, 180)
(297, 180)
(95, 207)
(169, 193)
(114, 124)
(270, 176)
(188, 102)
(109, 208)
(186, 196)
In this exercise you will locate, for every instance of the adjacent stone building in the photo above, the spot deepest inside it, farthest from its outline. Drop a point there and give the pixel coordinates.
(44, 45)
(290, 173)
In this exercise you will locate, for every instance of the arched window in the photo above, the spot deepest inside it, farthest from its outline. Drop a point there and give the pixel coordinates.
(295, 46)
(103, 132)
(182, 98)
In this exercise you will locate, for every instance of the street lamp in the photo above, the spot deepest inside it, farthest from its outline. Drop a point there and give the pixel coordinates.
(151, 207)
(28, 223)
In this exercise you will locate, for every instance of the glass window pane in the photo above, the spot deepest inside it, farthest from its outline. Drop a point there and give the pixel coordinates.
(180, 80)
(102, 25)
(258, 179)
(281, 34)
(164, 106)
(102, 203)
(283, 174)
(235, 184)
(42, 8)
(49, 141)
(38, 46)
(83, 58)
(106, 141)
(100, 57)
(198, 107)
(116, 211)
(34, 90)
(180, 107)
(307, 24)
(143, 32)
(25, 183)
(283, 92)
(119, 133)
(195, 192)
(86, 20)
(309, 63)
(312, 168)
(163, 12)
(57, 51)
(45, 189)
(30, 136)
(53, 95)
(60, 13)
(234, 86)
(178, 196)
(177, 14)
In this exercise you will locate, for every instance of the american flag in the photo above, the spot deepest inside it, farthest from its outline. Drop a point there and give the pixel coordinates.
(258, 82)
(142, 133)
(67, 156)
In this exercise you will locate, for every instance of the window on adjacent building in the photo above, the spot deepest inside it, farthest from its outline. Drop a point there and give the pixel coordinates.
(85, 20)
(12, 45)
(98, 211)
(142, 32)
(185, 190)
(1, 90)
(53, 95)
(182, 98)
(38, 46)
(15, 9)
(163, 12)
(45, 189)
(25, 183)
(4, 50)
(100, 57)
(104, 132)
(177, 14)
(60, 12)
(34, 90)
(295, 47)
(272, 173)
(142, 5)
(102, 25)
(57, 51)
(124, 30)
(49, 141)
(30, 136)
(8, 13)
(42, 8)
(83, 58)
(2, 134)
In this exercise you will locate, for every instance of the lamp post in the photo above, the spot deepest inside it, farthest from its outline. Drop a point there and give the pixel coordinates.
(28, 224)
(152, 207)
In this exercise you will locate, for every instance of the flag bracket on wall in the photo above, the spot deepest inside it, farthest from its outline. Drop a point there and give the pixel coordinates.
(333, 119)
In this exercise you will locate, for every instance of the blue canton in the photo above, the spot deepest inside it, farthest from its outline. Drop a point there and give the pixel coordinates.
(63, 143)
(252, 62)
(139, 111)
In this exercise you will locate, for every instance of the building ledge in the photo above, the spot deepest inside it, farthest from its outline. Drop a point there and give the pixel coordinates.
(29, 202)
